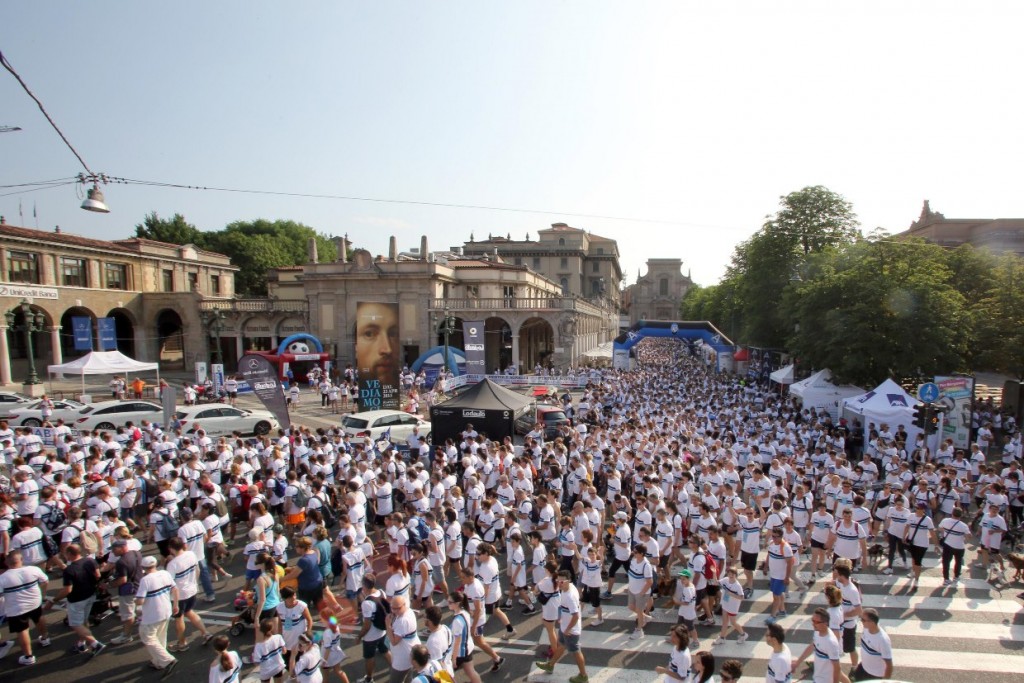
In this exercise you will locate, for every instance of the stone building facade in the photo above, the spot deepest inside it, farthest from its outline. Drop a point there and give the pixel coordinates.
(997, 234)
(657, 294)
(152, 290)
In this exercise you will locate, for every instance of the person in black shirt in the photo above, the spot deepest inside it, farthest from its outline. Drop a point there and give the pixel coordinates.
(81, 577)
(127, 574)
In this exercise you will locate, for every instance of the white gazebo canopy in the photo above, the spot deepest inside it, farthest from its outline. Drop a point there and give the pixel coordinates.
(783, 375)
(102, 363)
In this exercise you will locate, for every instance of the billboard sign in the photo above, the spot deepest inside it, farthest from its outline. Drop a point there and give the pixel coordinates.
(376, 350)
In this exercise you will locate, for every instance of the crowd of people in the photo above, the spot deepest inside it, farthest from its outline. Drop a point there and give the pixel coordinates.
(671, 483)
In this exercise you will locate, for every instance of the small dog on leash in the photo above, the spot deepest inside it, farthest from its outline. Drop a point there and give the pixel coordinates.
(1017, 560)
(876, 551)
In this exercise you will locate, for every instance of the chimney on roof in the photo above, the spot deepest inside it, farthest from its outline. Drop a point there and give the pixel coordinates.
(57, 229)
(393, 249)
(3, 221)
(341, 244)
(423, 247)
(313, 257)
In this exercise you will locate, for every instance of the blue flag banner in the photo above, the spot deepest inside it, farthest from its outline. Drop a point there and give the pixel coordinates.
(108, 334)
(81, 329)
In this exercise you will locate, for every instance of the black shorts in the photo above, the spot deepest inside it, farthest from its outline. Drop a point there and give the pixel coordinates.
(614, 568)
(817, 544)
(460, 661)
(850, 639)
(712, 590)
(23, 621)
(185, 606)
(268, 614)
(592, 596)
(312, 596)
(372, 648)
(917, 554)
(748, 561)
(232, 394)
(702, 593)
(489, 608)
(663, 561)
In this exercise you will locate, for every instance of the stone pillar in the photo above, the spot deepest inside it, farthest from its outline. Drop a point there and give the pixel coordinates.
(393, 249)
(5, 357)
(516, 360)
(312, 249)
(423, 248)
(239, 347)
(58, 356)
(341, 244)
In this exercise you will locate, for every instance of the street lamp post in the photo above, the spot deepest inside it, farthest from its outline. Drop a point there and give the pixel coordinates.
(447, 327)
(34, 322)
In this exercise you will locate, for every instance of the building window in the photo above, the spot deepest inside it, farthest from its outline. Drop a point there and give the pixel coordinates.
(168, 280)
(215, 284)
(519, 260)
(193, 282)
(116, 275)
(595, 287)
(564, 263)
(536, 263)
(24, 267)
(663, 286)
(74, 272)
(565, 286)
(561, 241)
(596, 267)
(600, 251)
(472, 291)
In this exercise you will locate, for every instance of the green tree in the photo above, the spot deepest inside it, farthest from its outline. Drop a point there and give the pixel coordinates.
(810, 221)
(259, 245)
(879, 309)
(1000, 318)
(174, 231)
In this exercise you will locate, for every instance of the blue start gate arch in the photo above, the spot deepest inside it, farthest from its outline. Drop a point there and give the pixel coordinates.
(688, 332)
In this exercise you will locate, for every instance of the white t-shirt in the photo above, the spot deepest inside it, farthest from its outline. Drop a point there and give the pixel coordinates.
(185, 570)
(826, 651)
(21, 590)
(155, 590)
(404, 628)
(875, 650)
(307, 666)
(30, 542)
(569, 605)
(780, 666)
(269, 655)
(218, 675)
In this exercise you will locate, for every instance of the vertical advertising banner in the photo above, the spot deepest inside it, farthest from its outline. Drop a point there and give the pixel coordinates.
(473, 334)
(955, 393)
(108, 334)
(377, 348)
(261, 375)
(81, 329)
(217, 371)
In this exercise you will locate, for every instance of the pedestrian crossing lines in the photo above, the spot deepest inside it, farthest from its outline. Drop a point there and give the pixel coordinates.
(937, 634)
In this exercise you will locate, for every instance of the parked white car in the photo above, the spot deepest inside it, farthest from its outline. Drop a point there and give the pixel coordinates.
(222, 420)
(9, 402)
(112, 414)
(373, 423)
(31, 414)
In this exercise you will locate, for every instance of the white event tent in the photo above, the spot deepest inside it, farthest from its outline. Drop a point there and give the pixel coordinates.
(783, 375)
(103, 363)
(887, 403)
(818, 391)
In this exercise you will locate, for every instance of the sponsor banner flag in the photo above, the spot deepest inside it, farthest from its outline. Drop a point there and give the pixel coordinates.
(378, 346)
(473, 335)
(261, 375)
(955, 394)
(81, 328)
(108, 334)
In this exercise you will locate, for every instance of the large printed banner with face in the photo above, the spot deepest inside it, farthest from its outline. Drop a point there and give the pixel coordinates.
(473, 334)
(377, 355)
(261, 375)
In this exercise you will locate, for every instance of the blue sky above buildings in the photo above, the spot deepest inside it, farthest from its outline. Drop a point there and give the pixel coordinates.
(698, 113)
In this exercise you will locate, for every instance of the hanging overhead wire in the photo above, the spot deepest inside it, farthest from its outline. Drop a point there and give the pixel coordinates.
(7, 65)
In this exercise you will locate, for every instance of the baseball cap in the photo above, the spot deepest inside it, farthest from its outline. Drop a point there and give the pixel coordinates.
(686, 573)
(621, 515)
(148, 561)
(119, 543)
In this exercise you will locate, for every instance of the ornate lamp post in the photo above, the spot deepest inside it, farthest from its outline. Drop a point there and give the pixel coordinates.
(214, 321)
(33, 322)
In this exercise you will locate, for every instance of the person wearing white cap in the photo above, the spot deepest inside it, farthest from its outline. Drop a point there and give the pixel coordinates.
(158, 598)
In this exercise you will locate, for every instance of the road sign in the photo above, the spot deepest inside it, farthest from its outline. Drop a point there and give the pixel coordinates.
(928, 392)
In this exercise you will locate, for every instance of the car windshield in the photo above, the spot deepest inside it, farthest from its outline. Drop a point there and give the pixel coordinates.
(353, 422)
(554, 416)
(86, 410)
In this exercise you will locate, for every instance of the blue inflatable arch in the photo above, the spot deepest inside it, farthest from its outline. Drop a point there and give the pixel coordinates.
(687, 331)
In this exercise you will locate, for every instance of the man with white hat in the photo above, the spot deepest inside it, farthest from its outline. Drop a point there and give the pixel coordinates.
(158, 599)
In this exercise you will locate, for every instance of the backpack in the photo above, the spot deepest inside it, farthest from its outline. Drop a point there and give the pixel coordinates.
(279, 487)
(534, 513)
(380, 614)
(222, 507)
(167, 525)
(329, 515)
(419, 533)
(301, 498)
(150, 489)
(89, 541)
(711, 569)
(54, 520)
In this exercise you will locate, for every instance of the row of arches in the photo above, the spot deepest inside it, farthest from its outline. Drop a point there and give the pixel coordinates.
(533, 341)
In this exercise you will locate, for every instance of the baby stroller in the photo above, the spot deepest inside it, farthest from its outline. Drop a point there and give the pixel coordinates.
(245, 602)
(102, 608)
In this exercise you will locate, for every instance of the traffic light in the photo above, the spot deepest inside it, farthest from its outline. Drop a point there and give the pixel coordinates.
(920, 411)
(932, 424)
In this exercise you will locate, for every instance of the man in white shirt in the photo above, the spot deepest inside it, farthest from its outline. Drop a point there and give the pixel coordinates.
(183, 566)
(22, 590)
(825, 648)
(569, 629)
(158, 598)
(875, 648)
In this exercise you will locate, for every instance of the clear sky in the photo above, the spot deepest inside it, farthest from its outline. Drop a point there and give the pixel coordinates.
(700, 113)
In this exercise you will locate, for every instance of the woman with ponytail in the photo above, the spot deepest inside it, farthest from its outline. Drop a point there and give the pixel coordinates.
(227, 665)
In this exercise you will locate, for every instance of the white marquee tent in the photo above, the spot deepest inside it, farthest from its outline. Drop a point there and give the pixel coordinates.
(818, 391)
(887, 403)
(783, 375)
(103, 363)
